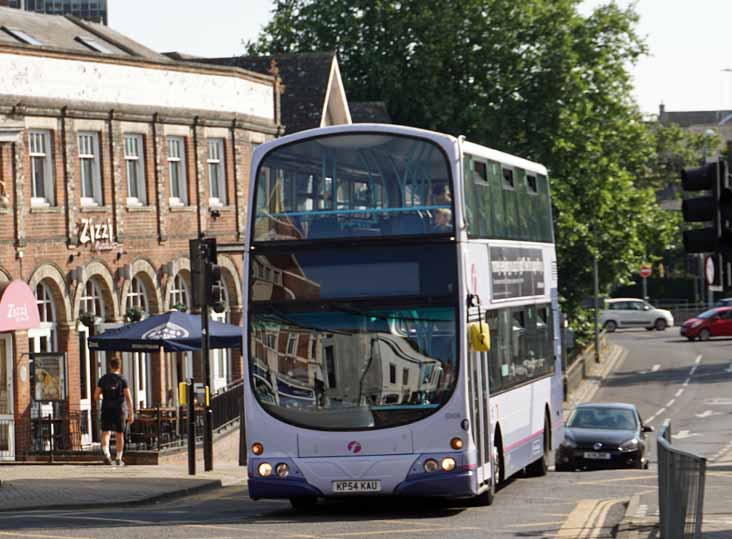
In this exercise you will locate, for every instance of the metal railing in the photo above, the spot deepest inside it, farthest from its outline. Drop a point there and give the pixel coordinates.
(680, 488)
(227, 404)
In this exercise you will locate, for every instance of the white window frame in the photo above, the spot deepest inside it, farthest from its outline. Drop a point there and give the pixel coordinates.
(179, 292)
(92, 300)
(89, 151)
(177, 159)
(135, 161)
(137, 295)
(216, 172)
(41, 149)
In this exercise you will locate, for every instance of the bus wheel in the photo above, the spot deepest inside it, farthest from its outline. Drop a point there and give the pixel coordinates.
(539, 467)
(487, 497)
(303, 502)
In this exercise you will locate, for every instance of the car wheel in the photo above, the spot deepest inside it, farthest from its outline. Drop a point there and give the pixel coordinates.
(611, 326)
(705, 334)
(660, 324)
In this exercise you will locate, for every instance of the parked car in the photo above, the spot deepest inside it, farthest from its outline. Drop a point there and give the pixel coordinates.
(631, 312)
(724, 302)
(715, 322)
(603, 435)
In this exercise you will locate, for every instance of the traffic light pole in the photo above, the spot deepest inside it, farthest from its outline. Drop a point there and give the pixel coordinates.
(208, 419)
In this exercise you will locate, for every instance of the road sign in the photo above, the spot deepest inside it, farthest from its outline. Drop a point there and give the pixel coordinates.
(645, 270)
(709, 270)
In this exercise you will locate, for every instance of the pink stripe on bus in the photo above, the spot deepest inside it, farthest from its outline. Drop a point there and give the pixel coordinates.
(522, 441)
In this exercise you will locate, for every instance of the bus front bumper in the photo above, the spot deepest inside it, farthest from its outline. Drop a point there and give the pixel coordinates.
(439, 485)
(281, 488)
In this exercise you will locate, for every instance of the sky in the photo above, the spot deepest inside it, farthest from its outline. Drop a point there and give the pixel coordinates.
(690, 41)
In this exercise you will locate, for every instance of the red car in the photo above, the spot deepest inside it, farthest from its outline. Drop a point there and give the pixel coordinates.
(715, 322)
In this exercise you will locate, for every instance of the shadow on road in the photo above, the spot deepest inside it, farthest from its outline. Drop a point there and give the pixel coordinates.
(706, 373)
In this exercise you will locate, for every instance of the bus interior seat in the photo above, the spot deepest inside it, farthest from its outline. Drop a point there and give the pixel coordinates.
(406, 225)
(324, 228)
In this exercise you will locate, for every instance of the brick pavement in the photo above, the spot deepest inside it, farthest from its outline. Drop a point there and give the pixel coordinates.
(26, 487)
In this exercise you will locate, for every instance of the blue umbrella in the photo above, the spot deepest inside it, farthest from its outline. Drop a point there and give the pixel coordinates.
(173, 331)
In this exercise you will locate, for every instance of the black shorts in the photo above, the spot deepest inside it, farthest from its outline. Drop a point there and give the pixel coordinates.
(114, 419)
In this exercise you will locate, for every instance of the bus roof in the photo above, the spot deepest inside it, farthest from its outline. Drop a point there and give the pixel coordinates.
(445, 140)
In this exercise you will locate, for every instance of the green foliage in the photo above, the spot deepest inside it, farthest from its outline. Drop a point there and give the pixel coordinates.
(535, 78)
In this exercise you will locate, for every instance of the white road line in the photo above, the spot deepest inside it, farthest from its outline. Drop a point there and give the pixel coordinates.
(655, 367)
(698, 359)
(679, 392)
(670, 403)
(686, 382)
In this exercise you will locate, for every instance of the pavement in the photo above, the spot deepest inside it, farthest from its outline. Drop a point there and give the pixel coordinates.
(40, 486)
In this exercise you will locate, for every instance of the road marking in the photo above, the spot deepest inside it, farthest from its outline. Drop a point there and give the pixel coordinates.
(679, 392)
(707, 413)
(729, 369)
(698, 359)
(683, 434)
(686, 382)
(587, 519)
(258, 530)
(410, 530)
(670, 403)
(535, 524)
(602, 481)
(103, 519)
(41, 536)
(655, 367)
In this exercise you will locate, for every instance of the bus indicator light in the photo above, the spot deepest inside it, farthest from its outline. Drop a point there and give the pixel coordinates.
(257, 448)
(282, 470)
(456, 443)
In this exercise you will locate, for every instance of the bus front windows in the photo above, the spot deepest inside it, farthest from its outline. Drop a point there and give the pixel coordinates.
(353, 367)
(353, 185)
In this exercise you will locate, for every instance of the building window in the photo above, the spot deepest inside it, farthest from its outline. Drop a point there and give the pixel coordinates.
(135, 168)
(41, 156)
(21, 36)
(137, 296)
(216, 172)
(91, 178)
(179, 293)
(93, 44)
(177, 169)
(91, 300)
(46, 341)
(292, 345)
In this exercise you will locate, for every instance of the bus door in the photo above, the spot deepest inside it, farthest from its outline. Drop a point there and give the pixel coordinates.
(479, 411)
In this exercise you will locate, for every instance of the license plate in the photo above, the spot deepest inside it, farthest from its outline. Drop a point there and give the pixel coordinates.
(346, 487)
(597, 456)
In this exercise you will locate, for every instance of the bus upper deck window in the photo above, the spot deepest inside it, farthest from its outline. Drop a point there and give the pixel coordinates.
(508, 178)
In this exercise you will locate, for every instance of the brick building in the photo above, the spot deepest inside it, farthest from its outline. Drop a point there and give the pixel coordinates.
(112, 157)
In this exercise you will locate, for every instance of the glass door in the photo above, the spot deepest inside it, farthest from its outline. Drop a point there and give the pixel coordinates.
(86, 386)
(7, 420)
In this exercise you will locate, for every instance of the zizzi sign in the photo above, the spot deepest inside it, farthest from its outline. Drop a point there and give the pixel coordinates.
(18, 309)
(100, 235)
(517, 272)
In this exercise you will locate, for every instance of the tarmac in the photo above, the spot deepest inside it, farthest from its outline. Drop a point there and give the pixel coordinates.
(33, 487)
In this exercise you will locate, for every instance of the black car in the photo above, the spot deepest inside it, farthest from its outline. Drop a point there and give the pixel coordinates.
(603, 435)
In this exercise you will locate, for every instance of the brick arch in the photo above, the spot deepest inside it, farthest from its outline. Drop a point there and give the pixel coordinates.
(99, 271)
(144, 270)
(4, 276)
(53, 277)
(180, 264)
(232, 279)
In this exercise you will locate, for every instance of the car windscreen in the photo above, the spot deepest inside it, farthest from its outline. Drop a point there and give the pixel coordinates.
(603, 418)
(343, 366)
(353, 185)
(708, 314)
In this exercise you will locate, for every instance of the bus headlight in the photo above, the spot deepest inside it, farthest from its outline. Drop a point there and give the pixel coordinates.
(456, 443)
(430, 465)
(257, 448)
(282, 470)
(265, 469)
(448, 464)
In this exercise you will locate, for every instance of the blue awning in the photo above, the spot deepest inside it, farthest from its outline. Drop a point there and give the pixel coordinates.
(173, 331)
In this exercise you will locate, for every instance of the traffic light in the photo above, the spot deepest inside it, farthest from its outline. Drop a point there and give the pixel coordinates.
(205, 272)
(714, 209)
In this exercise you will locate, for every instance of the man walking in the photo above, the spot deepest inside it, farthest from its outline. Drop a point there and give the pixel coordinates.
(115, 393)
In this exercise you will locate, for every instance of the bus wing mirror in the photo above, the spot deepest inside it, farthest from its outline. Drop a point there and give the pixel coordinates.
(480, 337)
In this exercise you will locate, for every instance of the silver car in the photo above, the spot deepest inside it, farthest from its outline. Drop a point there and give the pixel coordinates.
(633, 312)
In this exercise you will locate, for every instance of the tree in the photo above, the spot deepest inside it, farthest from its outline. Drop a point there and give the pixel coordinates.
(535, 78)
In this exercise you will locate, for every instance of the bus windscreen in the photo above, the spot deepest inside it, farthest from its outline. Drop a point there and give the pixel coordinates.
(353, 185)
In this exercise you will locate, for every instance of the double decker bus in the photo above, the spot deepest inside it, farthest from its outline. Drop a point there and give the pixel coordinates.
(401, 330)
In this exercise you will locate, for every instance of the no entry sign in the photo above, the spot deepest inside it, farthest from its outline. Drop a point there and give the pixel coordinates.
(645, 270)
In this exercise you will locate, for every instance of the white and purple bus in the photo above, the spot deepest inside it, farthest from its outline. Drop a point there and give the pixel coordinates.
(374, 252)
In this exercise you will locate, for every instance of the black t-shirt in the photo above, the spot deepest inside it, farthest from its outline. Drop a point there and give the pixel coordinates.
(113, 390)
